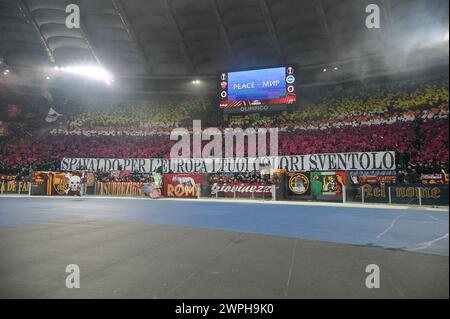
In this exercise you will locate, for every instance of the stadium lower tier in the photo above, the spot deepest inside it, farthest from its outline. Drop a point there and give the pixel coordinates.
(415, 142)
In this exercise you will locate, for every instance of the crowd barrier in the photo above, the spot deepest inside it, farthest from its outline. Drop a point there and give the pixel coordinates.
(390, 194)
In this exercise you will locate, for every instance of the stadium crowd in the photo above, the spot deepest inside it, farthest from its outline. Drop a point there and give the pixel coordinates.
(136, 115)
(407, 117)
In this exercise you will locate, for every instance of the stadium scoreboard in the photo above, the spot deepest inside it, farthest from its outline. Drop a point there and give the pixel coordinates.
(255, 90)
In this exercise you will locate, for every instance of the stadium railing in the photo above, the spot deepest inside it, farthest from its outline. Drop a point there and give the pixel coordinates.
(395, 194)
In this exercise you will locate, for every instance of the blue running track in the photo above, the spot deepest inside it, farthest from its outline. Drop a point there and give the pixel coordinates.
(408, 229)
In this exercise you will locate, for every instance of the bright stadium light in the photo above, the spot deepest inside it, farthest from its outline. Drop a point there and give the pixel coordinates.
(90, 71)
(441, 39)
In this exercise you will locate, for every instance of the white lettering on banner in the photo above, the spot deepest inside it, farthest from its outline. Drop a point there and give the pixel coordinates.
(298, 163)
(240, 188)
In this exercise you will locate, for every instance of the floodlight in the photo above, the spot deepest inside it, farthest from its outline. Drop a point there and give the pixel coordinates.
(89, 71)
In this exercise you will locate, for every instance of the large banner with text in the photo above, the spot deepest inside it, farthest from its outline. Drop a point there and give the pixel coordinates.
(298, 163)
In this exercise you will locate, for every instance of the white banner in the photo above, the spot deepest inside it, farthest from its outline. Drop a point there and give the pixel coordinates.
(298, 163)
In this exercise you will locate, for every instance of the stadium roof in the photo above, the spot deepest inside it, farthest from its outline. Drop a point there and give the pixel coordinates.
(185, 38)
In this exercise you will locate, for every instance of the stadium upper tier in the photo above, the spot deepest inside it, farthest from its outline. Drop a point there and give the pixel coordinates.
(357, 105)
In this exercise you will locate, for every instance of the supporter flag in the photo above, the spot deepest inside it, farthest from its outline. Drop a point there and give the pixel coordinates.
(342, 180)
(316, 184)
(327, 183)
(52, 116)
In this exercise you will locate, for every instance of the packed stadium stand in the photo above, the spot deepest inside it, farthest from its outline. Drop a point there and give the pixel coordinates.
(410, 117)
